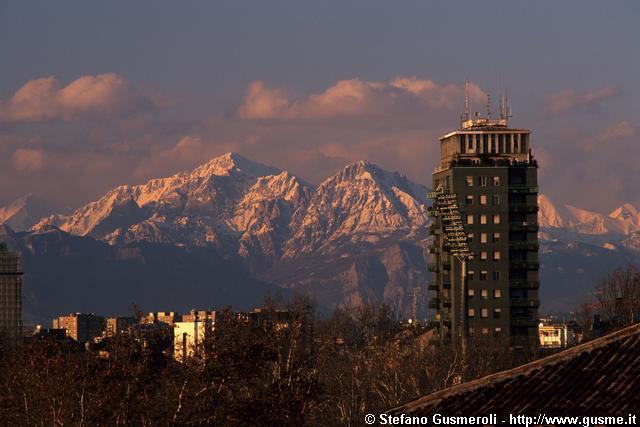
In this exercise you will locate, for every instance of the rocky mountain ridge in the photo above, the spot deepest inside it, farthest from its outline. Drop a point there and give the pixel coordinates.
(359, 236)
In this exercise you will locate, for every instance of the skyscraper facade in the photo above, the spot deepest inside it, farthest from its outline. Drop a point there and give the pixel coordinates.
(485, 243)
(10, 296)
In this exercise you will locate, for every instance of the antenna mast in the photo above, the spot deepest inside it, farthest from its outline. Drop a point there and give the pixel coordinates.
(488, 106)
(467, 115)
(507, 111)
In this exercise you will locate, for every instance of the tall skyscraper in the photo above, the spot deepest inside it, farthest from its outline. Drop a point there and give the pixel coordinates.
(485, 246)
(10, 296)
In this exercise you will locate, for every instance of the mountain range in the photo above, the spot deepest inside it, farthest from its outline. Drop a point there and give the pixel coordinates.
(232, 230)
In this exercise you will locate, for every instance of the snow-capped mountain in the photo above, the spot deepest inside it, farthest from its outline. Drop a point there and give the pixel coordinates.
(359, 236)
(255, 209)
(23, 212)
(361, 203)
(233, 224)
(623, 220)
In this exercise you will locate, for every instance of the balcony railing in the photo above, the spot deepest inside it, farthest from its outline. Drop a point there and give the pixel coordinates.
(523, 207)
(524, 284)
(524, 302)
(529, 246)
(529, 265)
(523, 226)
(524, 321)
(522, 189)
(433, 286)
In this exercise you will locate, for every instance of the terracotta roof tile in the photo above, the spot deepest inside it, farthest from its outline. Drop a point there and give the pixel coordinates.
(600, 377)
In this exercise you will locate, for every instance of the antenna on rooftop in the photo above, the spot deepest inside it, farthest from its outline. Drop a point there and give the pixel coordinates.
(507, 111)
(466, 100)
(488, 106)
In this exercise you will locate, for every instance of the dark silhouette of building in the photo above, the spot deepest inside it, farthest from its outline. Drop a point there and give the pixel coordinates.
(10, 296)
(485, 246)
(82, 327)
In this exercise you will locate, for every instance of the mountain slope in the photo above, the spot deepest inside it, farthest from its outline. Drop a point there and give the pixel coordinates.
(23, 212)
(623, 220)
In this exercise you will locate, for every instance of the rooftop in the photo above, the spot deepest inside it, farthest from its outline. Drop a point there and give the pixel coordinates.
(599, 377)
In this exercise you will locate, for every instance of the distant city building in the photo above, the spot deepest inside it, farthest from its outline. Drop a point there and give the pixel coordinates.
(485, 246)
(10, 296)
(118, 324)
(190, 333)
(168, 318)
(82, 327)
(556, 335)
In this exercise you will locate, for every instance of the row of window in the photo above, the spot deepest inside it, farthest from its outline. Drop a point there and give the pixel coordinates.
(484, 237)
(485, 331)
(495, 199)
(484, 313)
(484, 274)
(484, 255)
(484, 218)
(493, 143)
(483, 181)
(484, 293)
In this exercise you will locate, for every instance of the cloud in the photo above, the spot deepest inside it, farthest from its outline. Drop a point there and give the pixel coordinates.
(569, 100)
(100, 95)
(27, 160)
(356, 98)
(617, 132)
(264, 103)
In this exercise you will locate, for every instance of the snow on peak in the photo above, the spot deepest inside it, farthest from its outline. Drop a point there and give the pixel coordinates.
(229, 163)
(622, 220)
(23, 212)
(624, 212)
(360, 201)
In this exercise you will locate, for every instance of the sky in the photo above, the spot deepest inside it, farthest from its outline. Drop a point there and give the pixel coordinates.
(99, 94)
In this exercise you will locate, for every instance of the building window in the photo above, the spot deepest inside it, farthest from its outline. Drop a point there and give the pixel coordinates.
(469, 219)
(483, 219)
(496, 237)
(470, 274)
(484, 293)
(496, 255)
(483, 237)
(470, 237)
(483, 255)
(485, 331)
(483, 199)
(496, 181)
(470, 331)
(496, 275)
(483, 275)
(472, 312)
(482, 181)
(485, 313)
(469, 200)
(497, 293)
(469, 181)
(496, 218)
(498, 330)
(496, 313)
(496, 200)
(470, 143)
(471, 292)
